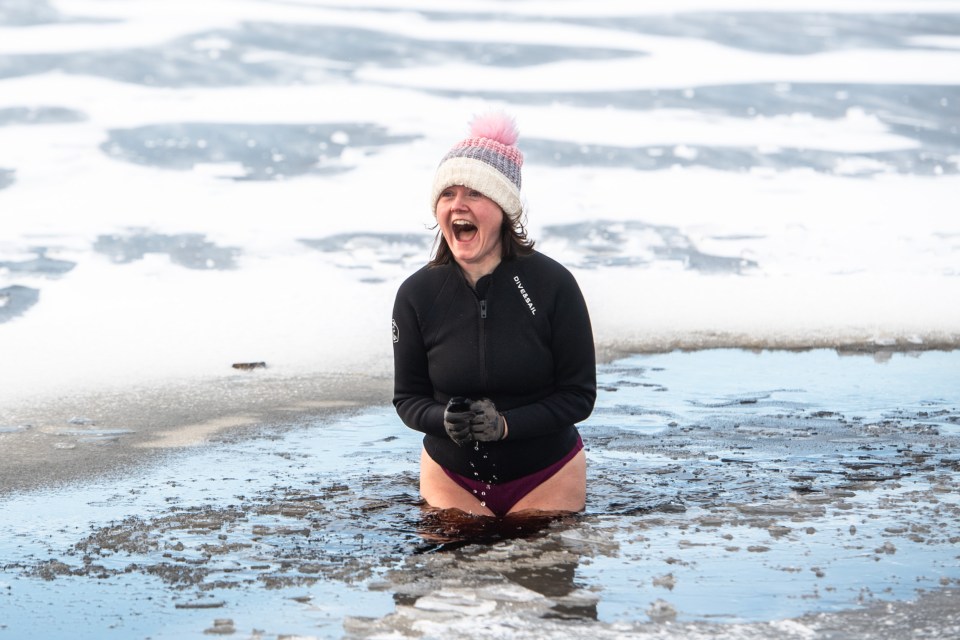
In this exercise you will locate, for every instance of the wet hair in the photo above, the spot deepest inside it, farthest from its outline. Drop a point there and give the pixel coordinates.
(513, 243)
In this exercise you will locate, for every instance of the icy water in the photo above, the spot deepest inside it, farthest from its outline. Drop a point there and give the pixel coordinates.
(725, 488)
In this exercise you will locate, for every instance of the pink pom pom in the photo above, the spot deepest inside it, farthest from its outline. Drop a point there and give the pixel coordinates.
(495, 126)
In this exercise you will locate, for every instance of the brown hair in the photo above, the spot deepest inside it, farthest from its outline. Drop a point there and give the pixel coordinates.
(513, 243)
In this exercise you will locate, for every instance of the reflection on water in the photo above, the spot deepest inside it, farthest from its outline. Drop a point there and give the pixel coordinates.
(447, 529)
(553, 575)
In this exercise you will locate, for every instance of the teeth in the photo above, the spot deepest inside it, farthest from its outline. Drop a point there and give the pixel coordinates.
(462, 227)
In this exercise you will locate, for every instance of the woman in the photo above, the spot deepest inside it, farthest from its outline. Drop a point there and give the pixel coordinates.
(493, 350)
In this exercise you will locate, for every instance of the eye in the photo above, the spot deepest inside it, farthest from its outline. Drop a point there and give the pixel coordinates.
(475, 194)
(446, 193)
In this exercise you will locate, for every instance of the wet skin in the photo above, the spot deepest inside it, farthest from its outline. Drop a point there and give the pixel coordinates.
(566, 490)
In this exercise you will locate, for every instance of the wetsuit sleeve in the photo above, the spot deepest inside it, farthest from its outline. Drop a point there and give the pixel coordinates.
(412, 388)
(575, 370)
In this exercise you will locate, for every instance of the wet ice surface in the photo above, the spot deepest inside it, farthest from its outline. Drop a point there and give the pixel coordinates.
(28, 12)
(15, 300)
(373, 256)
(262, 52)
(923, 114)
(632, 243)
(190, 250)
(793, 32)
(584, 245)
(729, 492)
(38, 115)
(264, 152)
(263, 142)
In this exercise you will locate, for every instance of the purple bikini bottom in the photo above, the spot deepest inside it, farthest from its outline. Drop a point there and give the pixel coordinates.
(500, 498)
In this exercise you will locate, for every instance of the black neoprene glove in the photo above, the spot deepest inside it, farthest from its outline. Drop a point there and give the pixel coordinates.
(456, 420)
(487, 423)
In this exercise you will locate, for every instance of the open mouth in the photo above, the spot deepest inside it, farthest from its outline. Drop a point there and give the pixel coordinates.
(464, 231)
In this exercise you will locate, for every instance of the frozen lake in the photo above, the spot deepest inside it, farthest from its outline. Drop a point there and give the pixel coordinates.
(182, 189)
(756, 197)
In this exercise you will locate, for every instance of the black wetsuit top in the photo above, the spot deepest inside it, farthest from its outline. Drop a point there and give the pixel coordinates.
(522, 339)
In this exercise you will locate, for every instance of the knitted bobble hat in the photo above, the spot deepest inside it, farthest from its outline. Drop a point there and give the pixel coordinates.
(487, 161)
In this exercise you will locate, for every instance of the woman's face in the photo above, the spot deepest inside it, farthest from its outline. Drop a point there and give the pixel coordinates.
(470, 222)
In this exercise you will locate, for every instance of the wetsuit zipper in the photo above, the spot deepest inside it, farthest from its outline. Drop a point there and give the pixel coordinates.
(483, 343)
(481, 292)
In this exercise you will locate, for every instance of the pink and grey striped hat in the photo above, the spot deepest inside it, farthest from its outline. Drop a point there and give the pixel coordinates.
(487, 161)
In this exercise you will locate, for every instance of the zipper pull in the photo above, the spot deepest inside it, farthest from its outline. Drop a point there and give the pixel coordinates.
(483, 308)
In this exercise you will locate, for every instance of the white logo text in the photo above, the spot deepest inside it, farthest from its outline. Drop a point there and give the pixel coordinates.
(526, 296)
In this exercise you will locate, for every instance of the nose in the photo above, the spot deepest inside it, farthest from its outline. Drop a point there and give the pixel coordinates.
(459, 202)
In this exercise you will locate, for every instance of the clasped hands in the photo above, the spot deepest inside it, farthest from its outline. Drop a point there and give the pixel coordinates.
(468, 420)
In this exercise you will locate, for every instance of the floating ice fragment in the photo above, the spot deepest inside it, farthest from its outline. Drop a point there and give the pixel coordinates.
(458, 601)
(887, 548)
(512, 593)
(667, 581)
(793, 629)
(90, 435)
(662, 611)
(584, 540)
(221, 626)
